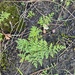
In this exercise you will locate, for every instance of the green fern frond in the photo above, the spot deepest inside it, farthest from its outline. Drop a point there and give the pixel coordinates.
(45, 20)
(4, 15)
(35, 51)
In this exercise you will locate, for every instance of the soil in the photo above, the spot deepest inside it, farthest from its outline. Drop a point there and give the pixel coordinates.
(63, 22)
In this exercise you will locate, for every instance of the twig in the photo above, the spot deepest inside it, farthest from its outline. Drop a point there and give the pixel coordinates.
(40, 71)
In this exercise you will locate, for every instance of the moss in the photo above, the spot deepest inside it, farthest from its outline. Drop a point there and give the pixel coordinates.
(3, 61)
(13, 18)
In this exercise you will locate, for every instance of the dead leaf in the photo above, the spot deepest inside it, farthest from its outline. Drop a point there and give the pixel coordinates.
(7, 36)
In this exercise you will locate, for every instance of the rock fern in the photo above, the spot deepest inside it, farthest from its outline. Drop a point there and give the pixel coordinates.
(45, 20)
(35, 49)
(4, 15)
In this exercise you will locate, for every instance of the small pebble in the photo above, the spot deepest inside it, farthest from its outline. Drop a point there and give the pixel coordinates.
(53, 31)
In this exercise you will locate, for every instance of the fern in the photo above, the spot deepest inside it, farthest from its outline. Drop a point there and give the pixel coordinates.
(3, 16)
(31, 14)
(34, 49)
(45, 20)
(55, 49)
(34, 33)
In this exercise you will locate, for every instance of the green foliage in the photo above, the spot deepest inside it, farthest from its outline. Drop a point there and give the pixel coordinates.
(31, 14)
(1, 36)
(34, 49)
(68, 2)
(3, 61)
(48, 70)
(19, 71)
(9, 17)
(45, 20)
(56, 74)
(44, 72)
(22, 3)
(54, 49)
(4, 15)
(34, 33)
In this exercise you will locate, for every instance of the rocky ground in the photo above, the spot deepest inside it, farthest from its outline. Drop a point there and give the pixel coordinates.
(63, 24)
